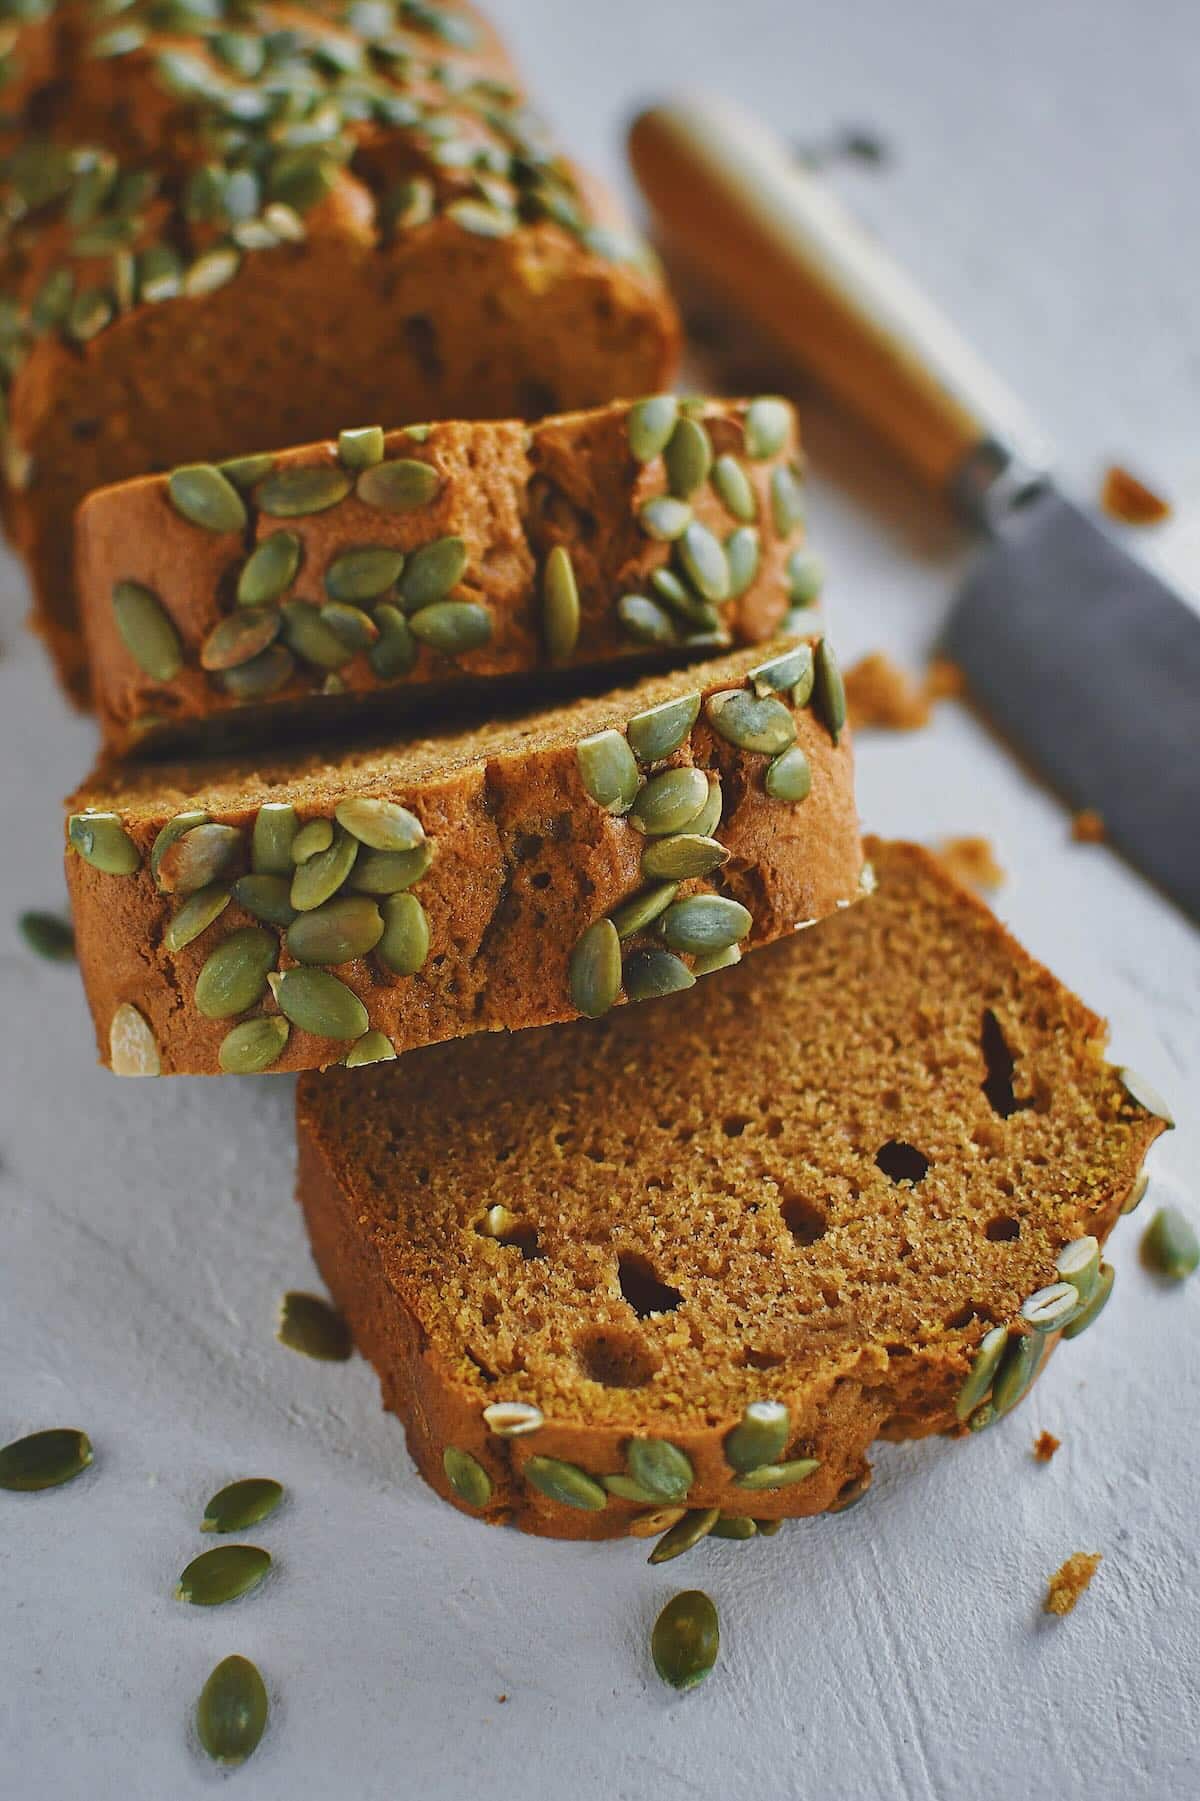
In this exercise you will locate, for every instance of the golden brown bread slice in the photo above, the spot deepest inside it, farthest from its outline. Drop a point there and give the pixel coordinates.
(819, 1186)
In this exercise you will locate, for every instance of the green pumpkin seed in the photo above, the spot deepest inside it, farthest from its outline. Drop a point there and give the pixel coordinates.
(513, 1419)
(266, 897)
(643, 909)
(317, 1002)
(242, 1504)
(338, 932)
(318, 878)
(787, 500)
(44, 1459)
(390, 872)
(679, 600)
(101, 840)
(1050, 1307)
(296, 493)
(688, 458)
(362, 448)
(231, 1714)
(992, 1347)
(395, 651)
(780, 1475)
(782, 672)
(196, 915)
(626, 1489)
(805, 578)
(734, 488)
(1137, 1193)
(735, 1526)
(275, 828)
(311, 840)
(709, 817)
(453, 627)
(432, 572)
(380, 824)
(356, 629)
(1018, 1366)
(680, 858)
(982, 1418)
(269, 570)
(669, 801)
(47, 936)
(651, 974)
(608, 770)
(265, 676)
(696, 1524)
(743, 553)
(644, 620)
(1142, 1095)
(595, 969)
(132, 1048)
(1170, 1246)
(363, 574)
(686, 1639)
(222, 1574)
(398, 487)
(1079, 1264)
(704, 561)
(204, 853)
(247, 472)
(768, 426)
(308, 1324)
(234, 978)
(659, 731)
(253, 1046)
(651, 423)
(560, 606)
(743, 719)
(829, 691)
(760, 1437)
(712, 961)
(311, 638)
(404, 946)
(665, 518)
(205, 497)
(802, 688)
(1087, 1316)
(147, 632)
(788, 776)
(241, 636)
(467, 1477)
(565, 1482)
(661, 1468)
(704, 923)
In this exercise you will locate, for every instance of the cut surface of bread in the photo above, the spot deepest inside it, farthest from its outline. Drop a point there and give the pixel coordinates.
(540, 867)
(809, 1187)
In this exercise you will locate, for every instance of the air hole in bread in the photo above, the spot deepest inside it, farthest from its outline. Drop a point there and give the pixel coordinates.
(84, 430)
(537, 399)
(489, 1375)
(1000, 1063)
(521, 1236)
(901, 1162)
(614, 1358)
(642, 1288)
(421, 340)
(763, 1360)
(1002, 1229)
(735, 1124)
(804, 1221)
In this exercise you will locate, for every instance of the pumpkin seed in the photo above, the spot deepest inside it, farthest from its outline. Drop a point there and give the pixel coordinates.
(395, 651)
(704, 923)
(363, 574)
(242, 1504)
(608, 770)
(659, 731)
(311, 840)
(686, 1639)
(760, 1436)
(705, 563)
(651, 423)
(204, 853)
(234, 977)
(787, 500)
(261, 678)
(565, 1482)
(1018, 1366)
(308, 1324)
(372, 1047)
(338, 932)
(467, 1477)
(669, 801)
(801, 692)
(594, 973)
(665, 518)
(147, 631)
(196, 915)
(686, 1532)
(560, 606)
(780, 1475)
(380, 824)
(982, 1418)
(266, 897)
(319, 878)
(643, 909)
(311, 638)
(734, 488)
(453, 626)
(432, 572)
(398, 487)
(132, 1047)
(788, 776)
(1137, 1193)
(231, 1714)
(743, 553)
(782, 672)
(513, 1419)
(48, 936)
(751, 723)
(211, 270)
(239, 637)
(712, 961)
(497, 1222)
(645, 620)
(1170, 1246)
(1088, 1315)
(1079, 1264)
(296, 493)
(318, 1002)
(768, 423)
(170, 834)
(269, 570)
(205, 497)
(1142, 1095)
(626, 1489)
(709, 817)
(44, 1459)
(680, 858)
(650, 1525)
(735, 1526)
(688, 458)
(992, 1347)
(390, 872)
(222, 1574)
(686, 606)
(1050, 1307)
(253, 1046)
(246, 472)
(362, 448)
(356, 629)
(829, 691)
(805, 578)
(404, 945)
(271, 840)
(101, 840)
(650, 974)
(660, 1467)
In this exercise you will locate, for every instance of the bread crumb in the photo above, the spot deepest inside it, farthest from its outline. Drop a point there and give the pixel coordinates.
(1126, 498)
(1045, 1446)
(879, 692)
(1067, 1584)
(944, 680)
(502, 1699)
(970, 861)
(1088, 827)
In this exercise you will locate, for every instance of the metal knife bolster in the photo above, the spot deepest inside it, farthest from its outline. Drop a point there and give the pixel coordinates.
(993, 481)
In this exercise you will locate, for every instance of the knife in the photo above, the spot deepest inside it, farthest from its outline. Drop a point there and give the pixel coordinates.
(1087, 660)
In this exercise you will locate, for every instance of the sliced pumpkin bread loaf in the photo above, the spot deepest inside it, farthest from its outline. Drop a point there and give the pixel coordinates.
(699, 1256)
(404, 564)
(538, 868)
(244, 224)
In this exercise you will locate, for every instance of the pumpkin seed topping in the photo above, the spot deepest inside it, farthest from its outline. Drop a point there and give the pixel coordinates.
(318, 1002)
(734, 488)
(696, 1524)
(196, 915)
(222, 1574)
(266, 897)
(170, 834)
(760, 1436)
(381, 824)
(363, 574)
(203, 853)
(802, 688)
(805, 578)
(265, 676)
(565, 1482)
(319, 877)
(101, 840)
(705, 563)
(659, 731)
(594, 973)
(1088, 1315)
(780, 1475)
(269, 570)
(231, 1714)
(651, 974)
(1050, 1307)
(782, 672)
(705, 922)
(711, 961)
(390, 872)
(239, 637)
(656, 1521)
(1170, 1246)
(296, 493)
(1018, 1367)
(432, 572)
(372, 1047)
(453, 627)
(242, 1504)
(1143, 1095)
(311, 840)
(1137, 1193)
(743, 553)
(682, 857)
(644, 620)
(395, 650)
(979, 1377)
(560, 605)
(751, 723)
(688, 458)
(665, 518)
(274, 832)
(1079, 1264)
(398, 487)
(829, 691)
(787, 500)
(626, 1489)
(735, 1526)
(686, 1639)
(608, 770)
(709, 817)
(660, 1467)
(404, 945)
(669, 801)
(308, 1324)
(311, 637)
(147, 632)
(788, 776)
(360, 449)
(205, 497)
(513, 1419)
(234, 977)
(341, 930)
(651, 423)
(246, 472)
(467, 1477)
(132, 1047)
(768, 423)
(253, 1046)
(44, 1460)
(643, 909)
(48, 936)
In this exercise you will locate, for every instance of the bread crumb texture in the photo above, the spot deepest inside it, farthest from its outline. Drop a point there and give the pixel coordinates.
(814, 1181)
(1128, 499)
(1088, 827)
(971, 861)
(880, 693)
(1068, 1583)
(1045, 1445)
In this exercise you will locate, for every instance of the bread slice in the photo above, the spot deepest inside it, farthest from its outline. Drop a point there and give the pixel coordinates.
(229, 241)
(462, 883)
(765, 1223)
(542, 549)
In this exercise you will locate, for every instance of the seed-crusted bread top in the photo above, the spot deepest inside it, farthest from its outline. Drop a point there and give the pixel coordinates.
(243, 224)
(423, 560)
(814, 1182)
(537, 868)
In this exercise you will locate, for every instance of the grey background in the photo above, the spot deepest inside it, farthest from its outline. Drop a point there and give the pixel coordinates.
(1044, 189)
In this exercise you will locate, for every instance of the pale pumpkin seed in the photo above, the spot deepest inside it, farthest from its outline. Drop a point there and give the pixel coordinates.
(147, 632)
(565, 1482)
(768, 424)
(660, 1467)
(372, 1047)
(560, 606)
(308, 1324)
(805, 578)
(362, 448)
(696, 1524)
(735, 1526)
(743, 553)
(711, 961)
(645, 620)
(1143, 1095)
(132, 1047)
(48, 936)
(787, 500)
(978, 1382)
(265, 676)
(782, 672)
(734, 488)
(1170, 1246)
(234, 977)
(275, 828)
(688, 458)
(44, 1459)
(1079, 1264)
(788, 776)
(608, 770)
(681, 858)
(513, 1419)
(205, 497)
(453, 627)
(704, 561)
(269, 570)
(363, 574)
(467, 1477)
(204, 853)
(242, 1504)
(432, 572)
(686, 1639)
(222, 1574)
(659, 731)
(670, 801)
(802, 687)
(1137, 1193)
(643, 909)
(395, 651)
(595, 969)
(253, 1046)
(231, 1714)
(238, 638)
(196, 915)
(308, 635)
(311, 840)
(266, 897)
(829, 690)
(245, 472)
(398, 487)
(319, 878)
(101, 840)
(650, 974)
(651, 423)
(404, 945)
(380, 824)
(1050, 1307)
(759, 1437)
(318, 1002)
(337, 932)
(390, 872)
(743, 719)
(1018, 1366)
(296, 493)
(1088, 1315)
(665, 518)
(780, 1475)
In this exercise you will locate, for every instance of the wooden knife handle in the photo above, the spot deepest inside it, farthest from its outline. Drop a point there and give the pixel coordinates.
(773, 242)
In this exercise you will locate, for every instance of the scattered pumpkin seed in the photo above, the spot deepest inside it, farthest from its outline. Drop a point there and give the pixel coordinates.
(805, 578)
(705, 922)
(238, 637)
(467, 1477)
(231, 1714)
(696, 1524)
(319, 877)
(650, 974)
(743, 719)
(787, 500)
(829, 691)
(712, 961)
(688, 458)
(789, 777)
(759, 1437)
(432, 572)
(780, 1475)
(265, 676)
(234, 977)
(404, 945)
(659, 731)
(246, 472)
(311, 638)
(1079, 1264)
(783, 672)
(272, 837)
(44, 1459)
(398, 487)
(651, 423)
(992, 1347)
(664, 517)
(266, 897)
(204, 853)
(1087, 1316)
(362, 448)
(565, 1482)
(147, 631)
(660, 1468)
(644, 620)
(704, 561)
(242, 1504)
(390, 872)
(513, 1419)
(686, 1639)
(1137, 1193)
(222, 1574)
(768, 423)
(380, 824)
(608, 770)
(48, 936)
(308, 1324)
(363, 574)
(101, 840)
(734, 488)
(735, 1526)
(1050, 1307)
(318, 1002)
(453, 627)
(743, 553)
(311, 840)
(196, 915)
(252, 1047)
(594, 972)
(269, 570)
(1170, 1246)
(680, 858)
(132, 1047)
(560, 605)
(341, 930)
(1018, 1366)
(205, 497)
(669, 801)
(395, 650)
(1142, 1095)
(296, 493)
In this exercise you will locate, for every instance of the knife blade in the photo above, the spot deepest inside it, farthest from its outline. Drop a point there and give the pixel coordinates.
(1088, 661)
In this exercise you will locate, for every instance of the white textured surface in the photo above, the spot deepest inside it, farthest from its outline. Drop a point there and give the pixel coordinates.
(1045, 191)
